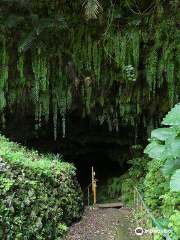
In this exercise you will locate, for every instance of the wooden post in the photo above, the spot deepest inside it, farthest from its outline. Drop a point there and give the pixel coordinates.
(94, 191)
(94, 185)
(92, 179)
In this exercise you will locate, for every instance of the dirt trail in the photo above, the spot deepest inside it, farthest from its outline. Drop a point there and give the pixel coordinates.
(103, 224)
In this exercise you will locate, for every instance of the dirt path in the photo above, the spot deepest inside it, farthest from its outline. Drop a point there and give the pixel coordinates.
(103, 224)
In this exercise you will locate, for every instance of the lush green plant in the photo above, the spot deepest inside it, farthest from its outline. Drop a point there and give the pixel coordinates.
(114, 186)
(161, 184)
(123, 187)
(174, 222)
(155, 185)
(134, 178)
(164, 146)
(39, 196)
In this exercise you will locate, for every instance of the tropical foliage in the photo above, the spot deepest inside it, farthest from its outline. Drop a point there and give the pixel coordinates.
(39, 195)
(161, 184)
(157, 178)
(165, 146)
(122, 188)
(113, 59)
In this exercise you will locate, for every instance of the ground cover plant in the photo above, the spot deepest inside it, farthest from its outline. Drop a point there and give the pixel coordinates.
(39, 195)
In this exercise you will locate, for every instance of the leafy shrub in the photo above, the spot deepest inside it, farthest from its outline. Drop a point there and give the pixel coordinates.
(155, 185)
(170, 201)
(133, 178)
(161, 184)
(174, 222)
(123, 187)
(39, 196)
(110, 190)
(165, 146)
(114, 186)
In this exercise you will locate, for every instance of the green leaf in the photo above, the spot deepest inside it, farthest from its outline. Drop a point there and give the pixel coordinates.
(150, 146)
(166, 154)
(175, 145)
(173, 117)
(163, 133)
(154, 150)
(170, 166)
(175, 181)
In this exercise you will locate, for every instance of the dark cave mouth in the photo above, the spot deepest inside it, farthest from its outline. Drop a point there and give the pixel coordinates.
(86, 156)
(85, 146)
(103, 167)
(109, 159)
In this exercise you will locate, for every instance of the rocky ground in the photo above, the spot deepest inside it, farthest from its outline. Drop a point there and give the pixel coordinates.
(103, 224)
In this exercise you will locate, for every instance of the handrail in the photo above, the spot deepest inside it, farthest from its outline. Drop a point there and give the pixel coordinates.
(150, 215)
(89, 197)
(94, 186)
(87, 187)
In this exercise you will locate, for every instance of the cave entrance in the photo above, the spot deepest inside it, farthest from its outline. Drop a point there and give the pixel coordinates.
(84, 157)
(104, 167)
(103, 157)
(85, 146)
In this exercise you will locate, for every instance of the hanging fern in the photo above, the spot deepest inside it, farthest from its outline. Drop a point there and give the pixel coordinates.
(20, 67)
(55, 117)
(88, 99)
(123, 52)
(2, 100)
(89, 54)
(3, 62)
(151, 68)
(114, 68)
(96, 61)
(117, 50)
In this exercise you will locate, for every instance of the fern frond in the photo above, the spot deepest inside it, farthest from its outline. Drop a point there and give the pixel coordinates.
(92, 9)
(40, 24)
(27, 42)
(57, 22)
(13, 21)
